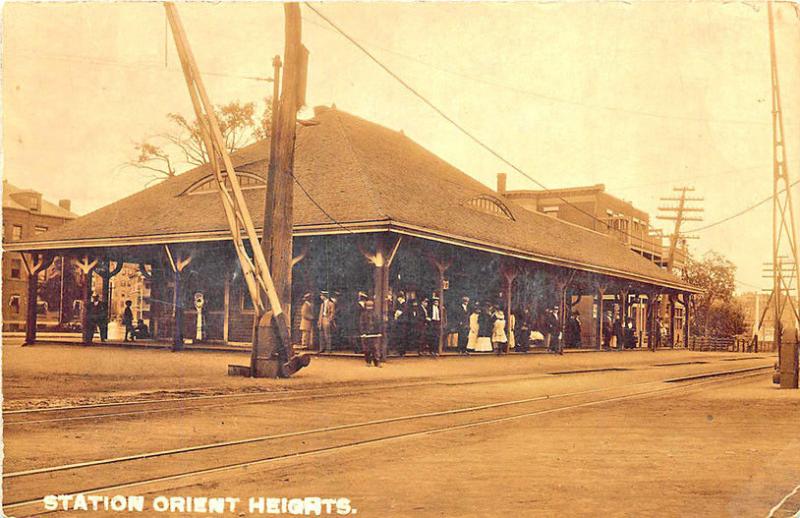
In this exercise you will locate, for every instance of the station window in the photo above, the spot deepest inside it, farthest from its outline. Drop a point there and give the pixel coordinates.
(247, 302)
(16, 268)
(16, 232)
(13, 304)
(551, 210)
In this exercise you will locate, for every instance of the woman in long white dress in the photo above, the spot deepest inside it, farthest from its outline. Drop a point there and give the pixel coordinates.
(512, 338)
(499, 337)
(472, 339)
(483, 340)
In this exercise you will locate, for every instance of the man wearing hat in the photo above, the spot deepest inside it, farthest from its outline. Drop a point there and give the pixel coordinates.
(357, 310)
(462, 316)
(325, 322)
(98, 317)
(306, 322)
(369, 330)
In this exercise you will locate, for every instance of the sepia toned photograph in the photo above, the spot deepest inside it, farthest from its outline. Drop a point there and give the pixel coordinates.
(401, 259)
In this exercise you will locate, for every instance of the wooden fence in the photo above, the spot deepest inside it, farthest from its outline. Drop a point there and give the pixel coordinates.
(728, 343)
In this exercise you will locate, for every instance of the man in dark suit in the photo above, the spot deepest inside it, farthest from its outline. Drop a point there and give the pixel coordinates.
(462, 317)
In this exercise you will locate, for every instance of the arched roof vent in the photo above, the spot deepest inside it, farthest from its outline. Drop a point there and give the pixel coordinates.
(490, 205)
(208, 184)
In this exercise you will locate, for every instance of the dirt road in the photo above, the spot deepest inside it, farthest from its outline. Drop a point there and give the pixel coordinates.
(580, 446)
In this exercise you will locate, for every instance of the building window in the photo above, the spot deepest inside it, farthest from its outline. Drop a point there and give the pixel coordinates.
(16, 232)
(247, 302)
(551, 210)
(16, 268)
(39, 229)
(13, 304)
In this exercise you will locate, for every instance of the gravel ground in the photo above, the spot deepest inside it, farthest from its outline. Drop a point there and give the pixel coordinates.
(728, 451)
(731, 449)
(52, 375)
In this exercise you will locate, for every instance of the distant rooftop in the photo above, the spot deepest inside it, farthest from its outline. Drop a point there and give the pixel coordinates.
(31, 201)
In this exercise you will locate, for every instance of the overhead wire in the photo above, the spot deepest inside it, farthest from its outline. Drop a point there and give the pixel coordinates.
(741, 212)
(550, 97)
(145, 65)
(486, 147)
(458, 126)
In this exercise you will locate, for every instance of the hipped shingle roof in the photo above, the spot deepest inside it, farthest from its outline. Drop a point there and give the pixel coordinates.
(358, 172)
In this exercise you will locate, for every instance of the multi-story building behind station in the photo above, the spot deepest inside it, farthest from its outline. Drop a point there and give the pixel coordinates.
(593, 208)
(26, 214)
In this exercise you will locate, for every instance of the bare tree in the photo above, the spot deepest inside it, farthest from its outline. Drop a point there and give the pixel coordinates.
(156, 155)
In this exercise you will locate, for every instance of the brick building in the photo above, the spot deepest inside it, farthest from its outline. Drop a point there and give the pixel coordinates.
(593, 208)
(25, 215)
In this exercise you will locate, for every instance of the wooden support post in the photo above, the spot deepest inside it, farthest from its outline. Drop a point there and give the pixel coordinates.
(601, 292)
(106, 273)
(562, 283)
(441, 268)
(382, 260)
(672, 301)
(86, 266)
(177, 264)
(650, 308)
(686, 317)
(177, 332)
(623, 313)
(37, 263)
(510, 271)
(30, 317)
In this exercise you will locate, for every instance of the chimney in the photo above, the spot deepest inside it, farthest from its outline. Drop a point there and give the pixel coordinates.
(501, 183)
(65, 204)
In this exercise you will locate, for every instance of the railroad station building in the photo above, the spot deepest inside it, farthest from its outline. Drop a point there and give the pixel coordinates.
(373, 212)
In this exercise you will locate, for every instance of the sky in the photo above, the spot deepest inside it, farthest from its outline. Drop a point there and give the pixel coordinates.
(641, 97)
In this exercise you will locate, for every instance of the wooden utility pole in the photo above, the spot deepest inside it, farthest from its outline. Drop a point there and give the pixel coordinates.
(270, 352)
(678, 214)
(255, 269)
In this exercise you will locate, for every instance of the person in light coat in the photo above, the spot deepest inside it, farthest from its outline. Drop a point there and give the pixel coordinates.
(325, 323)
(306, 322)
(499, 336)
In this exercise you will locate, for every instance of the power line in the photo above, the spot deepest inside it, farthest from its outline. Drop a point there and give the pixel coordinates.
(547, 97)
(150, 66)
(449, 119)
(741, 212)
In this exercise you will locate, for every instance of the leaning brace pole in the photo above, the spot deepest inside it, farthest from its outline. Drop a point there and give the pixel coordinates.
(784, 236)
(256, 272)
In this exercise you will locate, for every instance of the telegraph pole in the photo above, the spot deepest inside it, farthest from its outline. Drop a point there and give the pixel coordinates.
(680, 213)
(270, 352)
(785, 272)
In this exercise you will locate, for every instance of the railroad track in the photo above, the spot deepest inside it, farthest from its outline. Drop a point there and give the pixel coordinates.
(13, 419)
(27, 488)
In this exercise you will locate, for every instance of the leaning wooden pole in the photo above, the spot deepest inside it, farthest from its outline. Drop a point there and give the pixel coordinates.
(256, 270)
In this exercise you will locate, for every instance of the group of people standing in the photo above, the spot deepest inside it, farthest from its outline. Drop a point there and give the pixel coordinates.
(486, 328)
(619, 335)
(357, 327)
(98, 317)
(415, 324)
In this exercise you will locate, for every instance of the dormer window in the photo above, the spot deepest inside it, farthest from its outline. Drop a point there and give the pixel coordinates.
(490, 205)
(208, 184)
